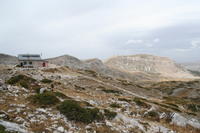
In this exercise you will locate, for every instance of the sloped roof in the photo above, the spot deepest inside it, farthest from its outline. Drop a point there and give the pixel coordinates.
(35, 57)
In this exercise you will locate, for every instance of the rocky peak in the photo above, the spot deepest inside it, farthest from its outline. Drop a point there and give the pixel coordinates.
(148, 64)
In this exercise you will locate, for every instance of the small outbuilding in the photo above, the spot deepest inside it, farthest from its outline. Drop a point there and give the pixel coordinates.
(31, 61)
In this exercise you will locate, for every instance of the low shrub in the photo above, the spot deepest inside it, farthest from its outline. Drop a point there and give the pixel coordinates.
(73, 111)
(47, 98)
(112, 91)
(153, 115)
(79, 87)
(109, 114)
(3, 130)
(24, 84)
(139, 102)
(91, 73)
(15, 79)
(115, 105)
(46, 81)
(193, 107)
(36, 88)
(21, 80)
(124, 99)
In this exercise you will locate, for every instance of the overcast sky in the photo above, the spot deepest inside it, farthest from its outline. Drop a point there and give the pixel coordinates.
(101, 28)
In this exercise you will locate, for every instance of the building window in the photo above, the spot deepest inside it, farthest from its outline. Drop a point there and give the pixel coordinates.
(25, 62)
(30, 63)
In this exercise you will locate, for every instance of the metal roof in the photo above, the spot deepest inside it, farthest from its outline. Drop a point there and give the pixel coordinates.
(35, 57)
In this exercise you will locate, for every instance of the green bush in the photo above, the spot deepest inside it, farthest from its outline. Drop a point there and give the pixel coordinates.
(46, 81)
(124, 99)
(21, 80)
(109, 115)
(73, 111)
(47, 98)
(139, 102)
(193, 107)
(153, 115)
(2, 129)
(23, 84)
(112, 91)
(115, 105)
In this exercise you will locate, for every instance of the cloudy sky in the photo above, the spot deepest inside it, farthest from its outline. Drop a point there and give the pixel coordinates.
(101, 28)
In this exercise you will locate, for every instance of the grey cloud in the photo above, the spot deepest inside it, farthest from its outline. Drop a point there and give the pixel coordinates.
(87, 29)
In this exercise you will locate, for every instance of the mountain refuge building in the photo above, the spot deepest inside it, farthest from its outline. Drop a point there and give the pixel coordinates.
(31, 61)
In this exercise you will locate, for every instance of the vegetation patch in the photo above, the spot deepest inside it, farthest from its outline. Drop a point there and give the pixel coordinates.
(21, 80)
(168, 107)
(112, 91)
(140, 102)
(109, 114)
(79, 87)
(115, 105)
(92, 73)
(124, 99)
(46, 81)
(36, 88)
(193, 107)
(73, 111)
(45, 99)
(153, 115)
(175, 100)
(171, 104)
(3, 130)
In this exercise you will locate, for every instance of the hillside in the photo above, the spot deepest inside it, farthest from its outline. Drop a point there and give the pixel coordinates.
(64, 100)
(98, 66)
(148, 64)
(124, 95)
(67, 60)
(8, 59)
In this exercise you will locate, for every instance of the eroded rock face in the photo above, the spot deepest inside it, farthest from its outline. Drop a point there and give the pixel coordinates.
(148, 64)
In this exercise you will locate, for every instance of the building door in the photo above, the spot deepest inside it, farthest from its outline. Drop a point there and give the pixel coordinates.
(44, 64)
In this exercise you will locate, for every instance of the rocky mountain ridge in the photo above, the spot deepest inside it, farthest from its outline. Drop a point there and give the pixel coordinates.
(133, 67)
(8, 59)
(148, 64)
(87, 96)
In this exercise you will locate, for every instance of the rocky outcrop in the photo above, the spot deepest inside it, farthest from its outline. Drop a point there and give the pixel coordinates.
(148, 64)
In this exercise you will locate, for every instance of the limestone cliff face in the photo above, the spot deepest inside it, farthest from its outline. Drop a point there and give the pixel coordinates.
(148, 64)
